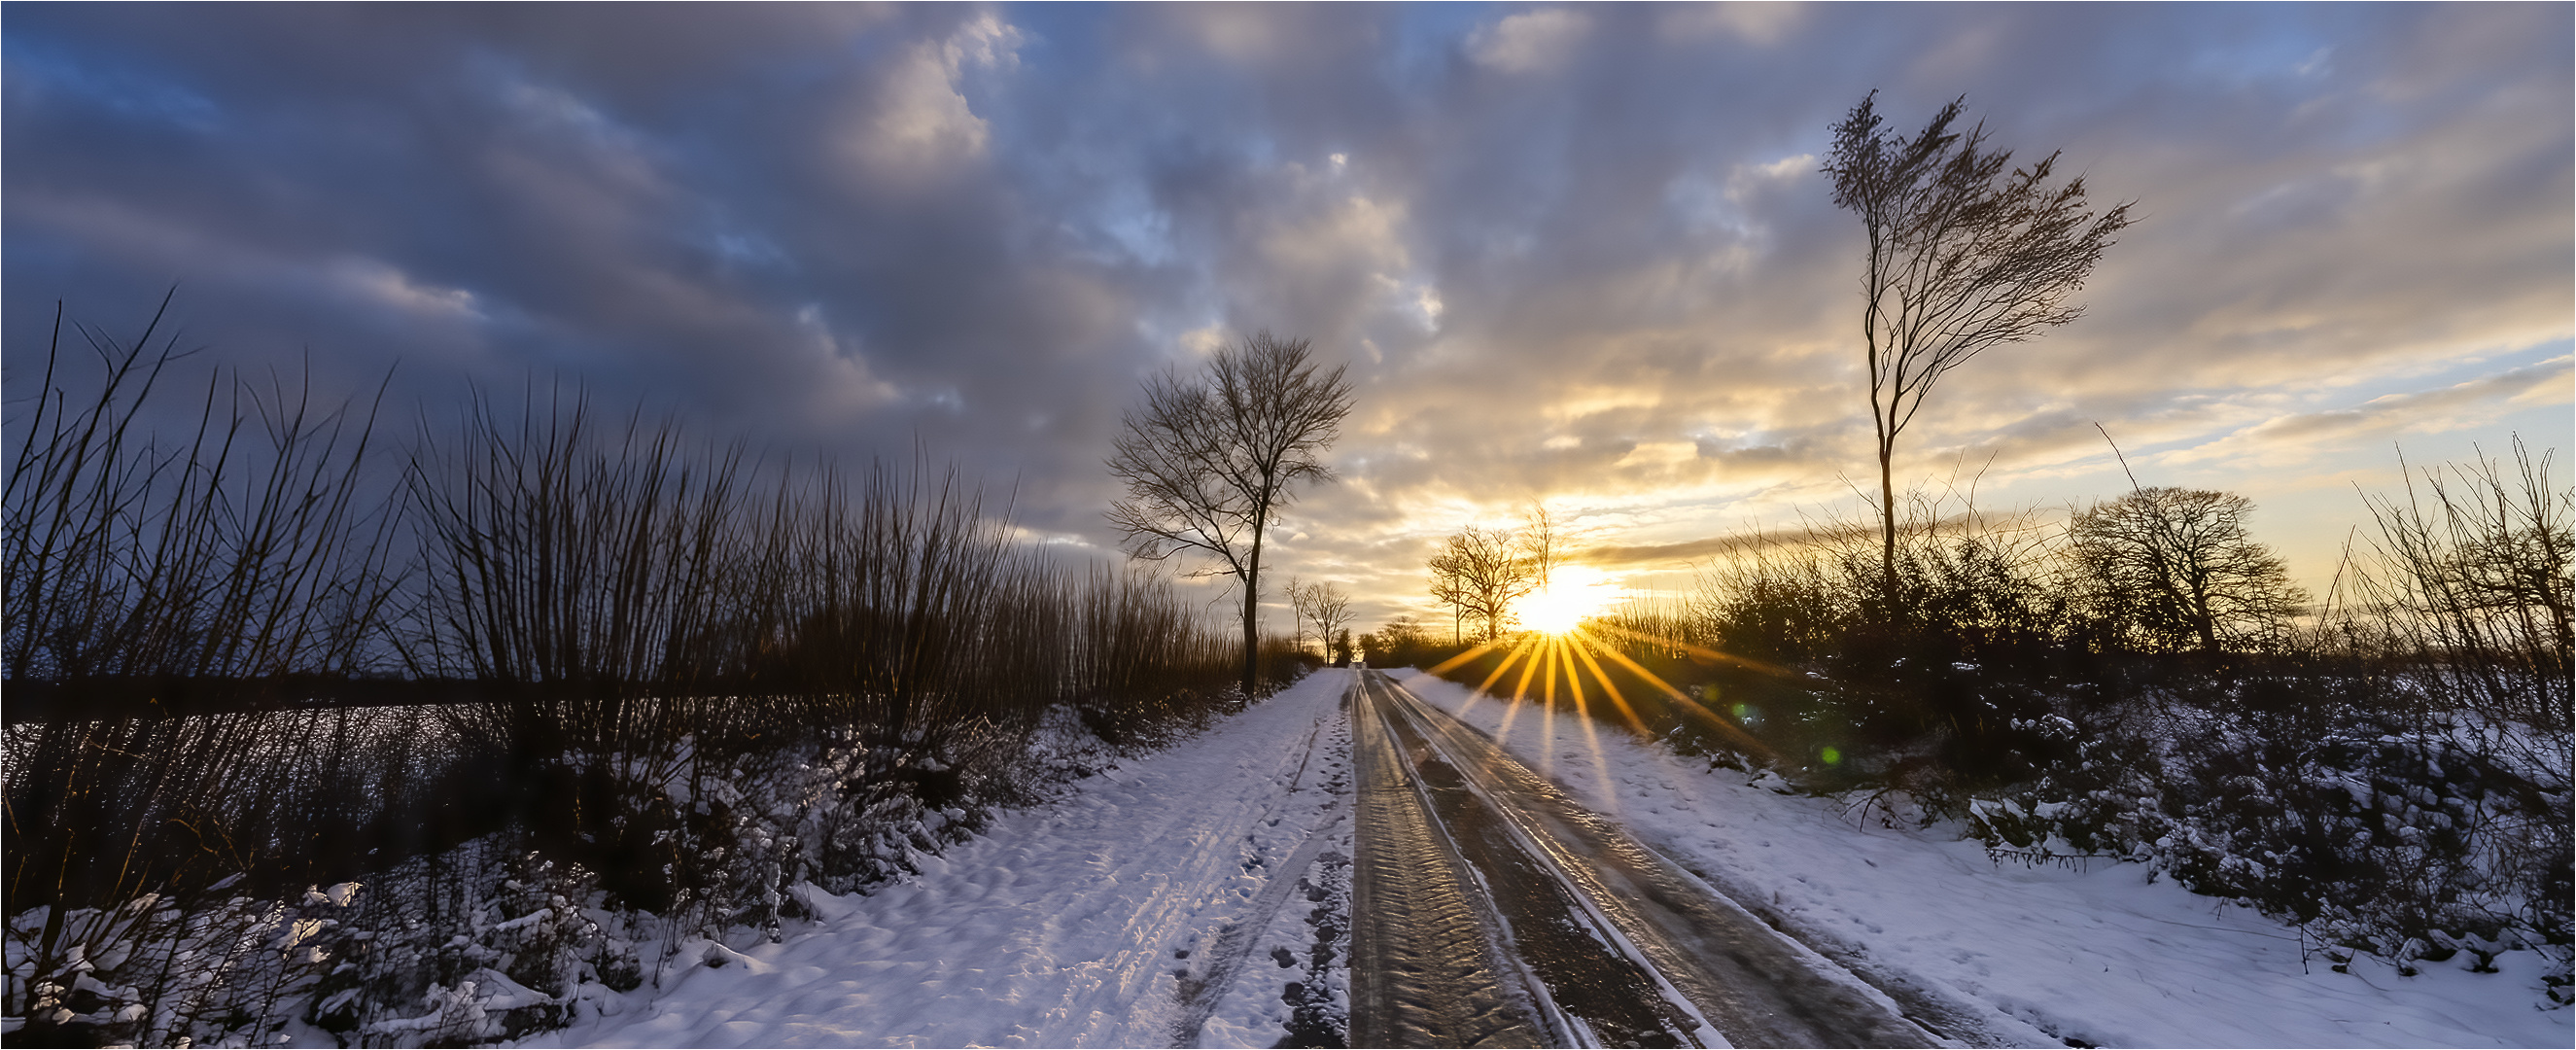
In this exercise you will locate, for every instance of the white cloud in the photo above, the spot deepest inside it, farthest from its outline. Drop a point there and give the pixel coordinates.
(1204, 341)
(2296, 437)
(919, 123)
(1532, 42)
(386, 285)
(841, 385)
(1763, 24)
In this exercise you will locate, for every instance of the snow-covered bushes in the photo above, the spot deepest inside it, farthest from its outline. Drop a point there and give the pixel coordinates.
(156, 971)
(639, 690)
(2392, 771)
(2380, 835)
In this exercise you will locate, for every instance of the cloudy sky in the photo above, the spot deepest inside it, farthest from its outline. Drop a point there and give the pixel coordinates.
(1579, 254)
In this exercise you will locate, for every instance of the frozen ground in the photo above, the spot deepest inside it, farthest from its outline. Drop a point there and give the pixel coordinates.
(2101, 957)
(1133, 912)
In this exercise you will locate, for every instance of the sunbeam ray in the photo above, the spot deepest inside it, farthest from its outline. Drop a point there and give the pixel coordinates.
(1519, 650)
(1547, 690)
(1583, 716)
(1452, 662)
(1583, 647)
(1708, 654)
(1725, 726)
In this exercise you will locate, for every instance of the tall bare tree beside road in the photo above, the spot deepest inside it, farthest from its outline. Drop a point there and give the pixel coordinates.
(1964, 252)
(1210, 460)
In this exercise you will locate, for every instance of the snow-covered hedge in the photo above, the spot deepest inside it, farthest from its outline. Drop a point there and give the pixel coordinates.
(496, 938)
(2408, 841)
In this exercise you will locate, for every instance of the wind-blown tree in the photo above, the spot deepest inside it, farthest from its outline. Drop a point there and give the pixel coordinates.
(2170, 569)
(1482, 572)
(1210, 460)
(1965, 252)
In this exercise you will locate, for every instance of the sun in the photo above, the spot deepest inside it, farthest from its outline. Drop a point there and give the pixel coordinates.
(1573, 593)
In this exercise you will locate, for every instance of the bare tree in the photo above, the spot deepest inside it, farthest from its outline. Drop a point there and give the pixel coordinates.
(2175, 568)
(1481, 572)
(1964, 252)
(1540, 541)
(1322, 605)
(1449, 589)
(1209, 462)
(1297, 618)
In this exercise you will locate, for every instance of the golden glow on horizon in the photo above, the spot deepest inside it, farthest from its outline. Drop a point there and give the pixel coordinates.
(1575, 652)
(1574, 593)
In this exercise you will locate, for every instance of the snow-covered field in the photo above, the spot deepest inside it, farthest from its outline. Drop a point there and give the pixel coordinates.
(2098, 957)
(1079, 923)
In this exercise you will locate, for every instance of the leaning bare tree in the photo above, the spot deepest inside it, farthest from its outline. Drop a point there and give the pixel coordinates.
(1964, 252)
(1210, 460)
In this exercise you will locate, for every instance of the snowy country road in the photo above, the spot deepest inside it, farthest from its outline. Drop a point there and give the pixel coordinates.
(1355, 862)
(1491, 910)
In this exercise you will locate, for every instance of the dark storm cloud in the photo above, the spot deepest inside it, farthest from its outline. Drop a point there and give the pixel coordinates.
(1581, 253)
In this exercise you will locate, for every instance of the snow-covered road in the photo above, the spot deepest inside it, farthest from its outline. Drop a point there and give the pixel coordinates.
(1620, 945)
(1201, 896)
(2105, 956)
(1166, 899)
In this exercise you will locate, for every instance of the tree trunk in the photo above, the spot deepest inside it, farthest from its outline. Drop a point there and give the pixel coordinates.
(1887, 525)
(2203, 621)
(1251, 615)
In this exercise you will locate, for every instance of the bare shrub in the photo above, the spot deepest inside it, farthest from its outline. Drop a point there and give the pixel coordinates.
(141, 575)
(621, 660)
(2466, 585)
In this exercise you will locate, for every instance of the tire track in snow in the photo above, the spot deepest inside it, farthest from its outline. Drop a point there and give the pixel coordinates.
(1113, 1004)
(1754, 985)
(1430, 961)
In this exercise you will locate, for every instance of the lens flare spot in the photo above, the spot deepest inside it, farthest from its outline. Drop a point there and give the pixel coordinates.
(1833, 756)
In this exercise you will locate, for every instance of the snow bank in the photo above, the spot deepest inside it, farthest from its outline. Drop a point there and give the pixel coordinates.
(2099, 956)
